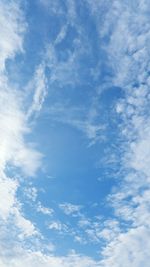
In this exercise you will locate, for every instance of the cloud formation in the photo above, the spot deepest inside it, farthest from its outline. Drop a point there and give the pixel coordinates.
(125, 30)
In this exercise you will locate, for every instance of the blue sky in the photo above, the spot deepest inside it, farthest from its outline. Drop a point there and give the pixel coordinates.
(74, 133)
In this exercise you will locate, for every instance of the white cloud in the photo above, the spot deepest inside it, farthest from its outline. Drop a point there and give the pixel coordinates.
(58, 226)
(129, 249)
(84, 222)
(25, 226)
(44, 210)
(39, 84)
(8, 188)
(140, 152)
(13, 125)
(96, 229)
(23, 257)
(128, 53)
(62, 34)
(31, 193)
(64, 72)
(15, 151)
(70, 209)
(12, 28)
(19, 237)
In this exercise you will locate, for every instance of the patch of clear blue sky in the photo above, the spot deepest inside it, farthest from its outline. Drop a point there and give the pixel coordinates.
(74, 165)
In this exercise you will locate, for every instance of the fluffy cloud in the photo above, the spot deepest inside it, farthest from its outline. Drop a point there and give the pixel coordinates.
(128, 53)
(129, 249)
(32, 259)
(13, 125)
(8, 188)
(16, 153)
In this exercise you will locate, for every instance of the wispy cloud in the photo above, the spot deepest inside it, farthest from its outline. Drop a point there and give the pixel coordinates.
(20, 241)
(12, 29)
(44, 210)
(15, 152)
(79, 118)
(125, 33)
(39, 87)
(70, 209)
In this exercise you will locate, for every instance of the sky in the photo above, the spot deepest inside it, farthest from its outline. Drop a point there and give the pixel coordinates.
(74, 133)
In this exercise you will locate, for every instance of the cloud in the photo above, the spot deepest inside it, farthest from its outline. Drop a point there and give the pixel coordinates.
(127, 48)
(44, 210)
(31, 193)
(16, 153)
(8, 188)
(12, 26)
(14, 149)
(58, 8)
(66, 71)
(57, 226)
(80, 118)
(21, 243)
(130, 245)
(53, 7)
(26, 227)
(39, 87)
(128, 55)
(25, 257)
(70, 209)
